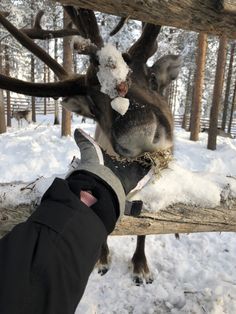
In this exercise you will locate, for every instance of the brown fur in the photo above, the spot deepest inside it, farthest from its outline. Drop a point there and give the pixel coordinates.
(146, 126)
(22, 114)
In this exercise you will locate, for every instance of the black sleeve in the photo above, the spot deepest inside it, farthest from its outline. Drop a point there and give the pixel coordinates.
(46, 261)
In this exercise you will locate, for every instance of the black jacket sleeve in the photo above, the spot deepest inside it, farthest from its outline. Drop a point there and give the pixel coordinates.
(46, 261)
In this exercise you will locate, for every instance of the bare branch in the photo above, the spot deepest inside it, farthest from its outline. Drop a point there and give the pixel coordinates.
(146, 45)
(69, 87)
(34, 48)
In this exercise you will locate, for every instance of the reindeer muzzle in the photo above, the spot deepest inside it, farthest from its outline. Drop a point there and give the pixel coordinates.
(122, 89)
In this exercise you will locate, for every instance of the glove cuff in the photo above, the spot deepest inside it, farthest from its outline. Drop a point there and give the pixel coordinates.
(109, 178)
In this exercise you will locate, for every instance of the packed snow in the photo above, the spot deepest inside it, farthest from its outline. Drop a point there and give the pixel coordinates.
(113, 70)
(120, 105)
(196, 176)
(80, 43)
(196, 274)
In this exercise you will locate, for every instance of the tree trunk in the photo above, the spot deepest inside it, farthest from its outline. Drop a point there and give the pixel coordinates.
(67, 64)
(192, 101)
(7, 72)
(198, 86)
(3, 127)
(175, 97)
(33, 106)
(45, 75)
(45, 81)
(218, 86)
(56, 106)
(171, 95)
(32, 63)
(227, 90)
(232, 109)
(75, 61)
(195, 15)
(187, 103)
(56, 113)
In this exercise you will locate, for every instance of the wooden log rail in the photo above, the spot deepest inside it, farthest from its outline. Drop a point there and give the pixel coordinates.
(215, 17)
(178, 218)
(227, 6)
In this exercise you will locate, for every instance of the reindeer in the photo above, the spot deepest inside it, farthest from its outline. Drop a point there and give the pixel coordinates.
(22, 114)
(148, 123)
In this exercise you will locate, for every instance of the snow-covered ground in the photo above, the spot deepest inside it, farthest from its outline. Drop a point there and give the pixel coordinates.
(196, 274)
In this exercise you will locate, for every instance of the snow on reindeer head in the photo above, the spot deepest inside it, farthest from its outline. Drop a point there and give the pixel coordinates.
(113, 76)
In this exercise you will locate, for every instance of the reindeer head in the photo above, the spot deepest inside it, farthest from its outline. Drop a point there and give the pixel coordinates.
(164, 71)
(148, 123)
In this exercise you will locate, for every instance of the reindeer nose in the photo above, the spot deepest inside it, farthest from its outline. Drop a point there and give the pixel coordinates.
(122, 89)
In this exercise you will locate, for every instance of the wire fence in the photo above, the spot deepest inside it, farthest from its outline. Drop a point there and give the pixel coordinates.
(18, 104)
(204, 123)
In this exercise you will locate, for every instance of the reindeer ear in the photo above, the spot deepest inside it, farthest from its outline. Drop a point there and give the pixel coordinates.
(163, 71)
(79, 104)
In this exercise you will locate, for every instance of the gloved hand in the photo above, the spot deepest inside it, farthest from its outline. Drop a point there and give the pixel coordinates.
(121, 177)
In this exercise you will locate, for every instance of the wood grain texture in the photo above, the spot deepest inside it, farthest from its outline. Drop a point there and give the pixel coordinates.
(178, 218)
(228, 6)
(196, 15)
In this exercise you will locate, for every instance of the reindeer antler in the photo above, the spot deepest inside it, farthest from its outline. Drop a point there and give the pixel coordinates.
(146, 45)
(86, 22)
(69, 87)
(37, 32)
(119, 26)
(34, 48)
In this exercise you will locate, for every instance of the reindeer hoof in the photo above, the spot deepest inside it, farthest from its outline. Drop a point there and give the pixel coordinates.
(103, 269)
(138, 280)
(149, 280)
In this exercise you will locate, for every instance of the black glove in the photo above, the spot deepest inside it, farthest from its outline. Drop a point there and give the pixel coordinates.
(121, 177)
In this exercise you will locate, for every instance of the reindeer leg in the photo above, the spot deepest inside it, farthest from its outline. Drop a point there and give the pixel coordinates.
(104, 260)
(140, 266)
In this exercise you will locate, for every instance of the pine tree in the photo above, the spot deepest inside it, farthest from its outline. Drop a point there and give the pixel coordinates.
(198, 85)
(227, 90)
(68, 65)
(218, 86)
(2, 105)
